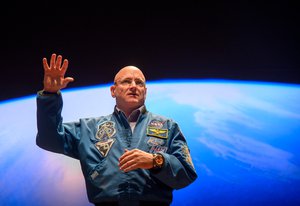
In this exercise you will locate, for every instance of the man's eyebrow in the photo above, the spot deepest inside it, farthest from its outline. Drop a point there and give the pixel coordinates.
(130, 78)
(126, 78)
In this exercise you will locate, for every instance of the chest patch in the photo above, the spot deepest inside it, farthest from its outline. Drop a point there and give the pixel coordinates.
(104, 135)
(156, 123)
(156, 132)
(104, 147)
(106, 130)
(156, 145)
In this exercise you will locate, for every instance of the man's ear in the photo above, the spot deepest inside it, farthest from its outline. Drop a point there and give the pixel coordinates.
(112, 91)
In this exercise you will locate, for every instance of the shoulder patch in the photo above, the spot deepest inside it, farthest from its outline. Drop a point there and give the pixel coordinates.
(187, 155)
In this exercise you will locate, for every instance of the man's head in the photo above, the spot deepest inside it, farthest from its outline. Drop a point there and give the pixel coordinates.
(129, 89)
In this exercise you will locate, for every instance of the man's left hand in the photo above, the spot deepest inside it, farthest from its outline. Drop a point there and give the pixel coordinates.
(135, 159)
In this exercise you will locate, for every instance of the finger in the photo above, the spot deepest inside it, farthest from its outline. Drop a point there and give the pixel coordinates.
(125, 158)
(52, 61)
(128, 166)
(64, 66)
(45, 64)
(125, 155)
(66, 81)
(58, 62)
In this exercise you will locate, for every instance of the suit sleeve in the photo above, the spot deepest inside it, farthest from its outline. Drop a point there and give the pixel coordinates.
(52, 134)
(178, 170)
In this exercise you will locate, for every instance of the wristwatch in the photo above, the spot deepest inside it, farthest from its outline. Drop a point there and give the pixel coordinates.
(158, 160)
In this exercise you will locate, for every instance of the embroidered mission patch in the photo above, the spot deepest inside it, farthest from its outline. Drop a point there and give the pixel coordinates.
(155, 132)
(106, 130)
(105, 134)
(156, 123)
(187, 156)
(104, 147)
(156, 145)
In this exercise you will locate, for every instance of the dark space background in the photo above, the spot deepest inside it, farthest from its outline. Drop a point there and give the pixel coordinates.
(242, 40)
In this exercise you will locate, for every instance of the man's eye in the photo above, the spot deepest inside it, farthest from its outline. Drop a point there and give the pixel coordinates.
(126, 81)
(140, 83)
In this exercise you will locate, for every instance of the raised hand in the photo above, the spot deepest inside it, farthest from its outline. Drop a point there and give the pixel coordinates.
(54, 74)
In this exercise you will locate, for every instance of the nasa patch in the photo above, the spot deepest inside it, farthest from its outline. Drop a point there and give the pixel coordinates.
(156, 124)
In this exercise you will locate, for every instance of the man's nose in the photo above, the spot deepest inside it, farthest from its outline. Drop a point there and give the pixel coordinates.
(132, 84)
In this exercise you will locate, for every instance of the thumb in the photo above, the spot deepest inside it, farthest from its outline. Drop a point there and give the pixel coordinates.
(67, 80)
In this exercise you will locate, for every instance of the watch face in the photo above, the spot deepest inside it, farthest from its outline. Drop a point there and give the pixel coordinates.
(159, 160)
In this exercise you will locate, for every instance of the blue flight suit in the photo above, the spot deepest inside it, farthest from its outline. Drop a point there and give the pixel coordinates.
(99, 142)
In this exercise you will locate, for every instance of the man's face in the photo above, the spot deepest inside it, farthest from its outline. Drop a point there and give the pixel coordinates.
(129, 88)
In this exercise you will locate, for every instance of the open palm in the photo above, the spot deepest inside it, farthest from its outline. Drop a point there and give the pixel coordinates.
(54, 74)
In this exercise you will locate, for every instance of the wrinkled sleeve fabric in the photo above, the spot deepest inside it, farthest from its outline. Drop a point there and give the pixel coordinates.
(178, 170)
(52, 135)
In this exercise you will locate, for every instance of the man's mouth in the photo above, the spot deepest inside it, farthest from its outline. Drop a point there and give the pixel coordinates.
(133, 94)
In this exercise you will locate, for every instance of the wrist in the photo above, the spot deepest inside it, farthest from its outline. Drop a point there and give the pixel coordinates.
(47, 93)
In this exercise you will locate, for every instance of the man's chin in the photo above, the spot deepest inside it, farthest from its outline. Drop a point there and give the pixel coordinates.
(133, 100)
(134, 103)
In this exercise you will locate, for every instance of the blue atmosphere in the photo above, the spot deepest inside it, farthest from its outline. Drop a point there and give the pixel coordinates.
(243, 137)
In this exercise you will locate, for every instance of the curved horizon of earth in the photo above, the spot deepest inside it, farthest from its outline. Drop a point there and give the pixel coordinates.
(243, 137)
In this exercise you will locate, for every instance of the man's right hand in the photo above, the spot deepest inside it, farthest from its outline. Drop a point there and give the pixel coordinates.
(54, 75)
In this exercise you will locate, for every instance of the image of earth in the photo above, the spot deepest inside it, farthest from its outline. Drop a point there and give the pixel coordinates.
(244, 139)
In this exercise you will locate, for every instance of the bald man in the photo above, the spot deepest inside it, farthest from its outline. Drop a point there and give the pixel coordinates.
(129, 157)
